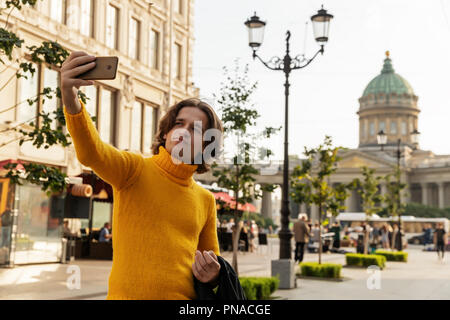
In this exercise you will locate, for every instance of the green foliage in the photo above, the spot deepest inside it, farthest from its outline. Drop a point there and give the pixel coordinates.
(308, 180)
(8, 43)
(423, 211)
(365, 260)
(309, 183)
(395, 188)
(259, 288)
(43, 132)
(393, 255)
(367, 188)
(51, 180)
(259, 220)
(325, 270)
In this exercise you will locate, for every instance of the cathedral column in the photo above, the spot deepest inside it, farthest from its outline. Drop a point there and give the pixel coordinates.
(303, 208)
(424, 193)
(441, 194)
(348, 203)
(314, 213)
(266, 204)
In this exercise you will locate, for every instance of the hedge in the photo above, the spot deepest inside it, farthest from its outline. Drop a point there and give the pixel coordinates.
(324, 270)
(393, 256)
(259, 288)
(365, 260)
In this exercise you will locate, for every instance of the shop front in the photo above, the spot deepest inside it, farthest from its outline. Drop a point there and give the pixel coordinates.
(31, 232)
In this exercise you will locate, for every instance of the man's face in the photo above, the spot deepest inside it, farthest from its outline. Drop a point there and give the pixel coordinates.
(186, 121)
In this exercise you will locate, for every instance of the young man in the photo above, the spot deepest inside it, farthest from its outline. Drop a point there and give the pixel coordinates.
(164, 223)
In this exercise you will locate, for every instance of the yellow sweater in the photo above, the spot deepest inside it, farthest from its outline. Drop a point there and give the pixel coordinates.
(160, 216)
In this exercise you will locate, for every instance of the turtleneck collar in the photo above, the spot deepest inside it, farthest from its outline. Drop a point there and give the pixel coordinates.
(181, 173)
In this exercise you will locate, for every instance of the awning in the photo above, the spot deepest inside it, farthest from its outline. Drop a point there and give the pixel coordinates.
(228, 201)
(8, 161)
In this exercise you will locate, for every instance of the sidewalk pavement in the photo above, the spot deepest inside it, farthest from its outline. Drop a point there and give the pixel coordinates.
(423, 277)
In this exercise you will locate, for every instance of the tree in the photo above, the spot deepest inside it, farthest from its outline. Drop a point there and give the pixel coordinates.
(309, 183)
(239, 117)
(47, 129)
(368, 190)
(393, 197)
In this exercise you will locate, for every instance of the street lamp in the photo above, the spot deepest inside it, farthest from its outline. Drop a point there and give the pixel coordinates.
(321, 26)
(415, 138)
(382, 140)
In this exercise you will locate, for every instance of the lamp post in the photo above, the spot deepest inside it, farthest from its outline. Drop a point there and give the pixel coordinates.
(321, 24)
(382, 140)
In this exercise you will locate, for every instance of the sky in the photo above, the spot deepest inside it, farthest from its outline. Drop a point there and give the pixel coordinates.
(324, 96)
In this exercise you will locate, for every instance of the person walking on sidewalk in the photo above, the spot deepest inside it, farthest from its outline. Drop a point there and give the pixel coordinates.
(164, 222)
(301, 234)
(440, 240)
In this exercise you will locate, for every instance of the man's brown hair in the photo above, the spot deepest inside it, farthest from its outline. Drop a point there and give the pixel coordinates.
(167, 122)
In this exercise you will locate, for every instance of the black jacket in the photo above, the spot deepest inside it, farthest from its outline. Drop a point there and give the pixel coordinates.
(229, 287)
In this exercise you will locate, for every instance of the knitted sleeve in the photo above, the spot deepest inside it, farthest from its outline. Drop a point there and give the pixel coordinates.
(118, 168)
(208, 237)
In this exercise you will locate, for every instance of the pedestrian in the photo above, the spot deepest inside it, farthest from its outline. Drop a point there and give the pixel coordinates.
(440, 240)
(165, 230)
(254, 235)
(6, 220)
(105, 234)
(301, 234)
(315, 236)
(428, 235)
(385, 236)
(336, 229)
(397, 238)
(230, 225)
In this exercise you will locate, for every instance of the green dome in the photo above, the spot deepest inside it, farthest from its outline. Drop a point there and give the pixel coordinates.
(388, 81)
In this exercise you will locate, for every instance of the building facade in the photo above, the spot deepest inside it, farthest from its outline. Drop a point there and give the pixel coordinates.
(154, 43)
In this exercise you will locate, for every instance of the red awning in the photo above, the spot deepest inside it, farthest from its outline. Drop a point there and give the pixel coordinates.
(8, 161)
(222, 196)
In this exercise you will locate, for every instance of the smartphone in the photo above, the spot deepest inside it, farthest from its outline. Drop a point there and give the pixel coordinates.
(105, 69)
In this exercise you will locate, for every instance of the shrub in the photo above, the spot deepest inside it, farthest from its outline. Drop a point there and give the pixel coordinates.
(365, 260)
(393, 256)
(324, 270)
(259, 288)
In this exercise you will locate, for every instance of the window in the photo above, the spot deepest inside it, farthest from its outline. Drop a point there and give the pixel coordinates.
(382, 126)
(393, 127)
(177, 61)
(87, 18)
(136, 127)
(133, 46)
(404, 128)
(51, 80)
(29, 90)
(154, 49)
(149, 127)
(372, 128)
(58, 10)
(112, 22)
(106, 117)
(91, 104)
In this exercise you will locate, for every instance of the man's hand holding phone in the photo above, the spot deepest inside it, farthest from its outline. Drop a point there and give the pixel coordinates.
(79, 70)
(77, 63)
